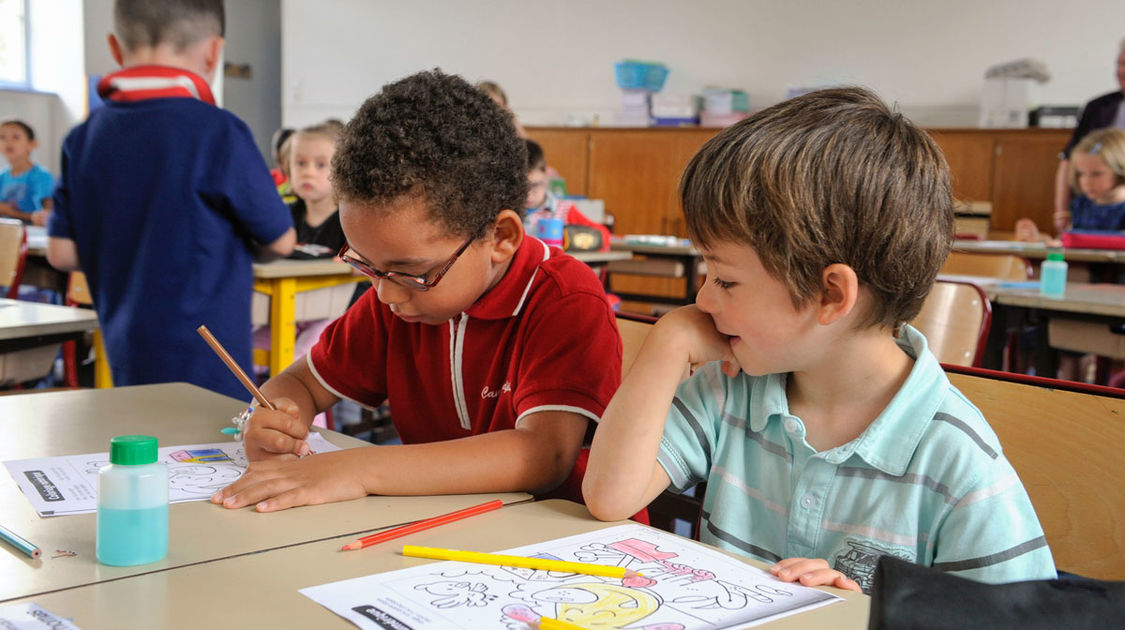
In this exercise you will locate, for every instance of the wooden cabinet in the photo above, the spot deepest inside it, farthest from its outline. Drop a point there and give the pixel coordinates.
(637, 171)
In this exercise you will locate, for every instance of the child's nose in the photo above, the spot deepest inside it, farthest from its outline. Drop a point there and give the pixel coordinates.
(389, 292)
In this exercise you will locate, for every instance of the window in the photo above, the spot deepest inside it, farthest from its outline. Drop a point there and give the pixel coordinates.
(13, 44)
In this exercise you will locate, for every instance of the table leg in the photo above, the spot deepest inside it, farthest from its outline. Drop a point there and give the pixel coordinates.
(103, 378)
(283, 323)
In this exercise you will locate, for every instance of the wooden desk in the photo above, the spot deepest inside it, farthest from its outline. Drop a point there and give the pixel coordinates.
(1101, 303)
(1066, 448)
(260, 590)
(282, 280)
(26, 327)
(83, 421)
(685, 255)
(1038, 251)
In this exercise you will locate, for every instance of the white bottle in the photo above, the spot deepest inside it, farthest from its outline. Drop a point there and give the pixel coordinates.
(132, 503)
(1052, 275)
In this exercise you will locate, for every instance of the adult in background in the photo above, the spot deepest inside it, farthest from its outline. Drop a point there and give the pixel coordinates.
(1107, 110)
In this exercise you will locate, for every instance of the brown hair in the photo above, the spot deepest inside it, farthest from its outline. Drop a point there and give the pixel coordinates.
(833, 176)
(180, 23)
(15, 122)
(1109, 145)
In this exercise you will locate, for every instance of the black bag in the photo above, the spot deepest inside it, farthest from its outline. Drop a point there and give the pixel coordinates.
(906, 595)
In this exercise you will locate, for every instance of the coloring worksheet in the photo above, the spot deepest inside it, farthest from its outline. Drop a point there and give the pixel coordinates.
(69, 484)
(682, 585)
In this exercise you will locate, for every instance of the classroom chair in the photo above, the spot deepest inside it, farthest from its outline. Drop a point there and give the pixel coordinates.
(78, 295)
(1004, 266)
(13, 256)
(1065, 441)
(955, 319)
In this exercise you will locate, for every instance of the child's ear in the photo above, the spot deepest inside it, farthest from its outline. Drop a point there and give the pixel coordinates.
(839, 293)
(507, 235)
(212, 53)
(115, 49)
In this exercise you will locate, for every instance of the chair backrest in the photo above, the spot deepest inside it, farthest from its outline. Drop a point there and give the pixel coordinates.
(13, 255)
(1066, 447)
(633, 330)
(1003, 266)
(78, 290)
(955, 319)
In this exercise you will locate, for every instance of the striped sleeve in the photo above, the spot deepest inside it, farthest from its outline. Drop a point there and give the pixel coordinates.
(991, 533)
(690, 430)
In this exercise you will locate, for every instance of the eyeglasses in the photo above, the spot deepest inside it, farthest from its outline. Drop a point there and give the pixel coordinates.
(417, 283)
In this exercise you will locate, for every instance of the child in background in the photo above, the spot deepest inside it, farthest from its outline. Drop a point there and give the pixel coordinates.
(478, 337)
(163, 201)
(496, 93)
(25, 187)
(279, 145)
(1097, 176)
(542, 203)
(827, 432)
(315, 217)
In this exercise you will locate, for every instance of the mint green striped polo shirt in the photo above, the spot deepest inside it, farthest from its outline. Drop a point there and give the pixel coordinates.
(926, 481)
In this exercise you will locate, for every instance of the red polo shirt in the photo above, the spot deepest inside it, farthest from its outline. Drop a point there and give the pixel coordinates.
(542, 339)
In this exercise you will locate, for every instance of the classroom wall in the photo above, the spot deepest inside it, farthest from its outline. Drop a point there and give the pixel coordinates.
(555, 59)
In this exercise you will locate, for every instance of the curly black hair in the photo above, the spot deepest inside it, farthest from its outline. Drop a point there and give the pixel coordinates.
(436, 137)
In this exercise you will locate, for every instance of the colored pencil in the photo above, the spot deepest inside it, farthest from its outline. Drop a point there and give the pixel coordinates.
(550, 623)
(522, 562)
(233, 366)
(418, 526)
(19, 543)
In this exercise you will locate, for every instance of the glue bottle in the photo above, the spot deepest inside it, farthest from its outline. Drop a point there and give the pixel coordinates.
(1052, 275)
(132, 503)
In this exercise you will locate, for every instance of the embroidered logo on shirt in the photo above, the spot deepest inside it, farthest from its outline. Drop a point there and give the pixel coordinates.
(491, 393)
(859, 562)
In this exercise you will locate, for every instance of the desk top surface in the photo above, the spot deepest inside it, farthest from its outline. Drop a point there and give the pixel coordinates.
(290, 268)
(1039, 250)
(83, 421)
(20, 319)
(260, 590)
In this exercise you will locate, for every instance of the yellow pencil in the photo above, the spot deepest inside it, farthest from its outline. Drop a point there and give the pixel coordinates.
(522, 562)
(550, 623)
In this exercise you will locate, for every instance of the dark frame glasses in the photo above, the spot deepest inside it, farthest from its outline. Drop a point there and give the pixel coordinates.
(417, 283)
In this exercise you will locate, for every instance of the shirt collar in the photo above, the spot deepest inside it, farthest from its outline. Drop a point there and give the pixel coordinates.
(138, 83)
(889, 442)
(508, 297)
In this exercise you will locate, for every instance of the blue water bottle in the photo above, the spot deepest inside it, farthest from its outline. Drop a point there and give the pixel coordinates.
(132, 503)
(1052, 275)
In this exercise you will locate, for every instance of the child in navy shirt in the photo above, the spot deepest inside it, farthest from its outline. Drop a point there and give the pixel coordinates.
(164, 200)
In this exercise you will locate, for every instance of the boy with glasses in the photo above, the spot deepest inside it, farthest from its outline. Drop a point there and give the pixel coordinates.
(494, 352)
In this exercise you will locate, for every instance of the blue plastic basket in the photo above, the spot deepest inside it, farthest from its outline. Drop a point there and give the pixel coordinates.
(638, 75)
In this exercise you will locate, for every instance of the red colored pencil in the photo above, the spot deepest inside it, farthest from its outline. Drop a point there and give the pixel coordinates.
(418, 526)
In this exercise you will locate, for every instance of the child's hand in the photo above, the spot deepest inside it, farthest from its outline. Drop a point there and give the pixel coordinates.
(277, 485)
(695, 331)
(273, 434)
(812, 572)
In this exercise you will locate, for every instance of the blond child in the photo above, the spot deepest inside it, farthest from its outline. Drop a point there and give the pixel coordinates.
(825, 429)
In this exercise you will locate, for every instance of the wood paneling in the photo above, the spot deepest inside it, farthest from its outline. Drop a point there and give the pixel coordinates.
(567, 152)
(1024, 178)
(970, 156)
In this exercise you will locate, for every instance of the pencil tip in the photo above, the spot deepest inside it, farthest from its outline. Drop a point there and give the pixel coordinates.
(349, 547)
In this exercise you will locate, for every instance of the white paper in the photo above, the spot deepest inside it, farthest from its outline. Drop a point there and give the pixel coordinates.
(69, 484)
(29, 616)
(684, 585)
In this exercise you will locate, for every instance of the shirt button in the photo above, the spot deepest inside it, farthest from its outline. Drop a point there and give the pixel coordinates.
(808, 501)
(791, 425)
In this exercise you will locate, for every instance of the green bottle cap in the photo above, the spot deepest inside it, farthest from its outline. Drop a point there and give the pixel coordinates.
(132, 450)
(1054, 256)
